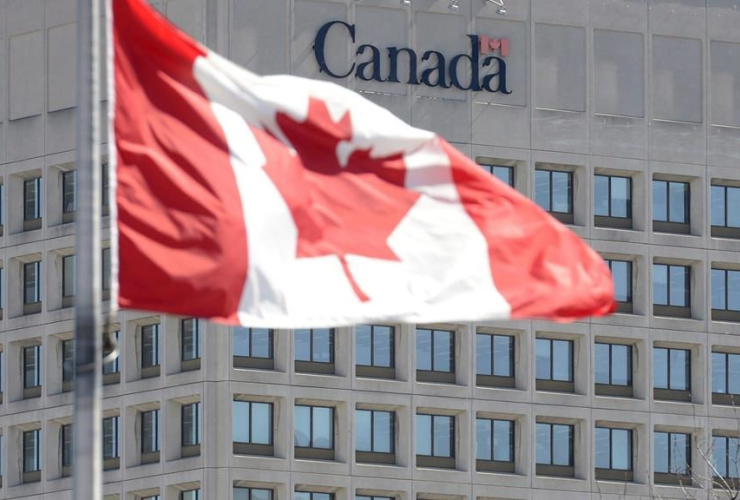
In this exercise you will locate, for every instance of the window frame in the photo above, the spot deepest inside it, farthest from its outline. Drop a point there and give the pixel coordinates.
(672, 477)
(434, 375)
(312, 365)
(610, 220)
(612, 389)
(311, 451)
(669, 309)
(68, 364)
(726, 313)
(32, 389)
(249, 447)
(564, 217)
(150, 370)
(725, 230)
(68, 214)
(668, 393)
(551, 384)
(250, 490)
(372, 456)
(112, 461)
(150, 455)
(33, 220)
(372, 370)
(493, 465)
(432, 460)
(66, 444)
(668, 225)
(192, 362)
(252, 361)
(190, 438)
(551, 469)
(112, 369)
(726, 397)
(490, 379)
(624, 306)
(32, 306)
(31, 474)
(610, 473)
(728, 476)
(67, 297)
(492, 168)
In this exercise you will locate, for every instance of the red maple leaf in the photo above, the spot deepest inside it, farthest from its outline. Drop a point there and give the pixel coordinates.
(338, 210)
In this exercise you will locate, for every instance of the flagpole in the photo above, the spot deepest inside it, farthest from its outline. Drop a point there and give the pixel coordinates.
(87, 463)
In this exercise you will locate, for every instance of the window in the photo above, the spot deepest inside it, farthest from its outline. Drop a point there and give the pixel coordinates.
(672, 453)
(613, 201)
(32, 456)
(726, 457)
(69, 280)
(105, 191)
(106, 274)
(375, 351)
(150, 351)
(241, 493)
(671, 295)
(366, 497)
(190, 435)
(252, 428)
(614, 454)
(310, 495)
(504, 174)
(66, 442)
(68, 364)
(32, 371)
(435, 441)
(494, 365)
(555, 449)
(671, 206)
(555, 365)
(725, 295)
(111, 451)
(112, 369)
(253, 348)
(154, 497)
(32, 287)
(314, 350)
(672, 374)
(314, 432)
(32, 206)
(374, 431)
(725, 378)
(69, 195)
(494, 450)
(553, 191)
(149, 436)
(435, 355)
(725, 211)
(190, 495)
(613, 365)
(622, 276)
(190, 344)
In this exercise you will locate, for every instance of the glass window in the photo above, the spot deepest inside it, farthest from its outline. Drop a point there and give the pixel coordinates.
(435, 350)
(504, 174)
(68, 360)
(310, 495)
(106, 271)
(190, 335)
(726, 456)
(66, 443)
(671, 285)
(725, 290)
(110, 438)
(150, 345)
(105, 181)
(315, 345)
(32, 282)
(365, 497)
(435, 435)
(314, 427)
(494, 355)
(622, 276)
(252, 422)
(494, 440)
(69, 280)
(553, 191)
(374, 431)
(191, 424)
(726, 206)
(241, 493)
(253, 342)
(69, 191)
(32, 199)
(190, 495)
(612, 196)
(555, 360)
(725, 373)
(554, 444)
(613, 448)
(613, 364)
(671, 369)
(113, 366)
(375, 345)
(31, 451)
(150, 431)
(672, 452)
(31, 366)
(671, 201)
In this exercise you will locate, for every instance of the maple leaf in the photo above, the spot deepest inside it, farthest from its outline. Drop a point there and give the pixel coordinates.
(338, 210)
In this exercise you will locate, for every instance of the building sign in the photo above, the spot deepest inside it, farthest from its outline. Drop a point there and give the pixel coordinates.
(487, 70)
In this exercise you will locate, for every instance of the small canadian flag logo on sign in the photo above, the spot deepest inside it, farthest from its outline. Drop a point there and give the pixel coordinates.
(488, 45)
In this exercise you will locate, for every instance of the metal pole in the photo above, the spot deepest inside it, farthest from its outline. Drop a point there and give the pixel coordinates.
(88, 350)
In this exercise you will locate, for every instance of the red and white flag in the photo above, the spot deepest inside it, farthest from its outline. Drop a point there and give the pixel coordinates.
(280, 201)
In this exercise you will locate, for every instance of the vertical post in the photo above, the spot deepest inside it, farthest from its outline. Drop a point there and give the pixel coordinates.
(87, 461)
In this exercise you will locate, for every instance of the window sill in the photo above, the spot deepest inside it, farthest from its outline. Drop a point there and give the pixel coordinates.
(725, 315)
(32, 392)
(725, 232)
(31, 224)
(190, 365)
(435, 462)
(190, 451)
(68, 217)
(111, 464)
(622, 391)
(384, 372)
(625, 307)
(68, 301)
(111, 378)
(33, 308)
(368, 457)
(67, 386)
(31, 477)
(495, 466)
(565, 218)
(556, 470)
(263, 450)
(671, 227)
(151, 457)
(555, 386)
(624, 476)
(435, 377)
(672, 395)
(494, 381)
(721, 483)
(314, 367)
(66, 470)
(725, 399)
(150, 372)
(672, 479)
(672, 311)
(314, 453)
(613, 222)
(254, 363)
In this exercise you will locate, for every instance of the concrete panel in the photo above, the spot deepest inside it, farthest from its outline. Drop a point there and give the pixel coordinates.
(619, 15)
(498, 125)
(570, 12)
(447, 34)
(564, 131)
(722, 147)
(308, 17)
(62, 87)
(517, 63)
(560, 67)
(23, 16)
(259, 35)
(678, 142)
(26, 71)
(189, 16)
(621, 136)
(3, 84)
(678, 17)
(25, 138)
(677, 89)
(60, 12)
(394, 33)
(449, 118)
(395, 103)
(60, 131)
(619, 73)
(723, 18)
(725, 83)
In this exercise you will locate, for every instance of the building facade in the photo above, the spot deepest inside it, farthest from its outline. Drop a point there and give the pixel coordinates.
(620, 117)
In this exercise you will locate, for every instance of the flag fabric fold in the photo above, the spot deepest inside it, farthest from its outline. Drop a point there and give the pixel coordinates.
(279, 201)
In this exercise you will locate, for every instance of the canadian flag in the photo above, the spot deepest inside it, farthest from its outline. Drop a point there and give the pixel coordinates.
(280, 201)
